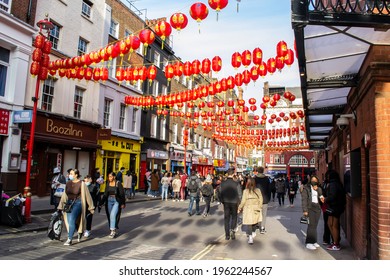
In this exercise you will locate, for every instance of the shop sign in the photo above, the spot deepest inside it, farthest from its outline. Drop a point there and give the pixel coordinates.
(23, 116)
(104, 134)
(219, 163)
(157, 154)
(4, 122)
(67, 130)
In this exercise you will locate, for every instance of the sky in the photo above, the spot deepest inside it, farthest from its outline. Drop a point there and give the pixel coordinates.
(258, 23)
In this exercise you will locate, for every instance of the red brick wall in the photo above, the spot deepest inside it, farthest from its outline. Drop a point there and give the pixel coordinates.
(20, 10)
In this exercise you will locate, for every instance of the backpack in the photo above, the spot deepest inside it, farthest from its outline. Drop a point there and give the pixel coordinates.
(55, 226)
(206, 190)
(192, 185)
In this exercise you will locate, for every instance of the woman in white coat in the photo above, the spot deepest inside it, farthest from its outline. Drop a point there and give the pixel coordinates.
(251, 205)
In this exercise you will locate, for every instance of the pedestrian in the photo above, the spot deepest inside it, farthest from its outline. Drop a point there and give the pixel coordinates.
(58, 181)
(207, 192)
(262, 183)
(280, 190)
(97, 178)
(217, 187)
(230, 196)
(114, 201)
(292, 190)
(164, 187)
(311, 196)
(147, 182)
(134, 180)
(94, 192)
(193, 185)
(127, 184)
(335, 200)
(170, 189)
(120, 174)
(273, 188)
(155, 181)
(326, 237)
(176, 185)
(251, 205)
(183, 190)
(77, 194)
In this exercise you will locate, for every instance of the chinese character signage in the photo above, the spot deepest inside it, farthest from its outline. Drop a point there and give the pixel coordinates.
(4, 121)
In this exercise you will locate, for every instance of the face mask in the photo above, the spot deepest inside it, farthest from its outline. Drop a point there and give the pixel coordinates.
(314, 183)
(87, 183)
(71, 178)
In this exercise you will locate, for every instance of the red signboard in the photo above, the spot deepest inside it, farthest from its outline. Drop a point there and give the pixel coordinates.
(4, 121)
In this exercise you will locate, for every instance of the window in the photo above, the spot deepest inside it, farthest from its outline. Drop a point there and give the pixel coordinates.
(54, 35)
(107, 112)
(134, 120)
(276, 158)
(312, 161)
(78, 102)
(4, 63)
(122, 115)
(5, 5)
(114, 29)
(140, 50)
(174, 133)
(128, 32)
(47, 94)
(155, 88)
(199, 143)
(86, 8)
(298, 160)
(153, 127)
(206, 142)
(164, 90)
(163, 124)
(165, 63)
(82, 48)
(156, 59)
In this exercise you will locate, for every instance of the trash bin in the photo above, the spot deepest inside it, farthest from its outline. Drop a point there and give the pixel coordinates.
(11, 211)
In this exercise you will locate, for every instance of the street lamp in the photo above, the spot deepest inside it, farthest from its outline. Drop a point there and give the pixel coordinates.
(44, 27)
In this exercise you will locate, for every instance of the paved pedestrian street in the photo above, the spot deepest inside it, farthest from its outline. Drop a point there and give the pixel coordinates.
(155, 230)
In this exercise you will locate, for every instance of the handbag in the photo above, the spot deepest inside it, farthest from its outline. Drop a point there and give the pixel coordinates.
(69, 204)
(304, 220)
(59, 190)
(329, 211)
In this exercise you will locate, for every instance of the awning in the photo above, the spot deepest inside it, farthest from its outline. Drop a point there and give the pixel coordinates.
(332, 42)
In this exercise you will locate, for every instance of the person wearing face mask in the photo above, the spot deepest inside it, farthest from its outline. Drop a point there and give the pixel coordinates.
(94, 192)
(76, 192)
(311, 197)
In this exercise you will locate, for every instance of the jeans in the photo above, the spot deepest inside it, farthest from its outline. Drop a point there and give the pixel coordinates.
(127, 193)
(207, 200)
(281, 198)
(314, 217)
(230, 217)
(192, 198)
(164, 193)
(73, 217)
(264, 216)
(113, 207)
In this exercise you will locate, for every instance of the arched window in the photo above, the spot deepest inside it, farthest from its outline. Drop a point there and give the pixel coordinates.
(298, 160)
(312, 161)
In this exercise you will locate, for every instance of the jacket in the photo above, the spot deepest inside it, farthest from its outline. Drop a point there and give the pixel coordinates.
(86, 199)
(126, 182)
(165, 181)
(335, 197)
(176, 185)
(230, 191)
(306, 197)
(280, 186)
(251, 204)
(262, 183)
(155, 181)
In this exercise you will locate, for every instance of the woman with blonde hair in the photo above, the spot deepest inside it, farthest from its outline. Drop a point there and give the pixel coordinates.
(176, 185)
(251, 206)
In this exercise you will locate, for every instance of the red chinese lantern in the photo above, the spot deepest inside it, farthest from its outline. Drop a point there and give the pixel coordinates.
(271, 65)
(104, 74)
(187, 69)
(88, 74)
(39, 41)
(281, 49)
(218, 5)
(151, 73)
(230, 82)
(263, 69)
(287, 95)
(257, 56)
(246, 77)
(252, 101)
(196, 67)
(230, 103)
(37, 55)
(169, 72)
(236, 60)
(43, 73)
(146, 37)
(46, 47)
(253, 108)
(279, 62)
(217, 64)
(34, 68)
(246, 58)
(254, 73)
(132, 42)
(199, 12)
(238, 79)
(178, 21)
(289, 58)
(178, 68)
(224, 86)
(163, 29)
(206, 66)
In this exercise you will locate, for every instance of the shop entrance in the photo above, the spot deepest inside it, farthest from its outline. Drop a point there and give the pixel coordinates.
(110, 164)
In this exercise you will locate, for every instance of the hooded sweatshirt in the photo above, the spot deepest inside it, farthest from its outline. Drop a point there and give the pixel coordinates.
(262, 183)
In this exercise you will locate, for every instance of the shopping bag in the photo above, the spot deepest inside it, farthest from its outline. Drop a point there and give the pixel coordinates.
(54, 229)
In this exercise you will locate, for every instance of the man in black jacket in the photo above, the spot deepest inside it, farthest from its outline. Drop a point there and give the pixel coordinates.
(230, 194)
(262, 183)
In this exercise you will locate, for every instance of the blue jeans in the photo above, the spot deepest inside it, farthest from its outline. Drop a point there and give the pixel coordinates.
(164, 192)
(73, 217)
(113, 207)
(192, 199)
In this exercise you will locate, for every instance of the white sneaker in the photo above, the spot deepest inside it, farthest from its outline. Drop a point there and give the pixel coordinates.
(87, 233)
(250, 239)
(254, 234)
(316, 245)
(310, 246)
(68, 242)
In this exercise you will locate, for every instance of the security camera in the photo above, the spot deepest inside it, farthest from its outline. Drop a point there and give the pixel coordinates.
(342, 123)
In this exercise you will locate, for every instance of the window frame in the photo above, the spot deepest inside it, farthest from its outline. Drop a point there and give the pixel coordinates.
(80, 52)
(88, 12)
(116, 29)
(6, 65)
(107, 112)
(54, 39)
(153, 126)
(122, 116)
(134, 120)
(78, 102)
(8, 6)
(49, 95)
(163, 129)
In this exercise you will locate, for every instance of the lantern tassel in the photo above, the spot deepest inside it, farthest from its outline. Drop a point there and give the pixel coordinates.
(128, 58)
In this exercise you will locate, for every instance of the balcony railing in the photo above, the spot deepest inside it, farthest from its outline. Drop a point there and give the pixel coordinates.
(377, 7)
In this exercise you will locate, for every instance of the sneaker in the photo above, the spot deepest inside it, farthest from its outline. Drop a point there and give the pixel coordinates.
(316, 245)
(310, 246)
(232, 235)
(250, 239)
(227, 237)
(262, 230)
(254, 234)
(333, 247)
(68, 242)
(79, 235)
(112, 234)
(204, 215)
(189, 214)
(87, 233)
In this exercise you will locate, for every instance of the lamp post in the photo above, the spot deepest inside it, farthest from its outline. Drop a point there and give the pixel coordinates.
(44, 26)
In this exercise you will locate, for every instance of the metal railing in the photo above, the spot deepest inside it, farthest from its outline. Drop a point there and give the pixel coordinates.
(377, 7)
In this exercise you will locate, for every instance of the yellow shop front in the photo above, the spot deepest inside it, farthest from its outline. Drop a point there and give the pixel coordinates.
(116, 153)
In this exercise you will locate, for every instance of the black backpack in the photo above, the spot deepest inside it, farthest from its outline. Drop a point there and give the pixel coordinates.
(192, 185)
(206, 190)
